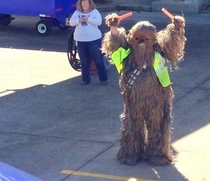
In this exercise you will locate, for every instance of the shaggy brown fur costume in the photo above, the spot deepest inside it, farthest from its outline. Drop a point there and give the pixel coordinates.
(146, 131)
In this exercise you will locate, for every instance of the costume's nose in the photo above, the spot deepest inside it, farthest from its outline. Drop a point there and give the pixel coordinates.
(141, 41)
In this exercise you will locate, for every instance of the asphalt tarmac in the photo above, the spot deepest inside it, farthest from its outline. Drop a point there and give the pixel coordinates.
(57, 130)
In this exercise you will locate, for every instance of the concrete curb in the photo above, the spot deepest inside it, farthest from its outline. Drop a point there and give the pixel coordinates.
(153, 6)
(112, 6)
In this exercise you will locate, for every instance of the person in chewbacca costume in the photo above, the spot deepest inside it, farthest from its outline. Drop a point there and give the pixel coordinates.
(142, 59)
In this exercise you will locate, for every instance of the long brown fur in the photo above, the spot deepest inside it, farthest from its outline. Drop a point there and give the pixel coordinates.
(146, 131)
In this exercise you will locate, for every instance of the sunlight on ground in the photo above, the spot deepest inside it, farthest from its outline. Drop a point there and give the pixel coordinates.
(196, 161)
(26, 68)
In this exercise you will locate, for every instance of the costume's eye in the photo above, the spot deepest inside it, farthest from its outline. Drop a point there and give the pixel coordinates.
(146, 39)
(137, 38)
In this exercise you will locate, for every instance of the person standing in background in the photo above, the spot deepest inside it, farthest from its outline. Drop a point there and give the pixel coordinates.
(88, 37)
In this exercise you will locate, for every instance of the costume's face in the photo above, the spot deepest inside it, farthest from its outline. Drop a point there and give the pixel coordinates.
(141, 38)
(142, 34)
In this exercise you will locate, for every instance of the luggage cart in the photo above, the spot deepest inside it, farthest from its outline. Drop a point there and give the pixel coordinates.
(51, 12)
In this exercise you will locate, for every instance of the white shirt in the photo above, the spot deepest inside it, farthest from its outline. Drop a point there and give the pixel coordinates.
(86, 31)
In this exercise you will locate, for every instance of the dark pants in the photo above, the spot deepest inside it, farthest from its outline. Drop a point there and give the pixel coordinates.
(91, 51)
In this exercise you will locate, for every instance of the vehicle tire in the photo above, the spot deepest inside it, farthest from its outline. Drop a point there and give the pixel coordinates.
(43, 27)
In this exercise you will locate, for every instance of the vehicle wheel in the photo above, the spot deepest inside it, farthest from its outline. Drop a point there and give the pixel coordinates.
(5, 19)
(43, 27)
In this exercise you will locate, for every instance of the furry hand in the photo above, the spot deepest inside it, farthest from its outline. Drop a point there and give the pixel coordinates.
(179, 22)
(111, 20)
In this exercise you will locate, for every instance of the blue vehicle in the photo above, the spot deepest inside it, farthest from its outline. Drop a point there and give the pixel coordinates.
(8, 172)
(51, 12)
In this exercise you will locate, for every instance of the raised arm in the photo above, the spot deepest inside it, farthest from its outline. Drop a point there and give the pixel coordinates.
(172, 40)
(115, 37)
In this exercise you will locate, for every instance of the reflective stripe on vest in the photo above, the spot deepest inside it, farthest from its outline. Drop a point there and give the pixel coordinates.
(161, 70)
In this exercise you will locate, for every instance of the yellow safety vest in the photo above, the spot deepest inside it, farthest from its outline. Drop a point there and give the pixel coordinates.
(161, 70)
(118, 56)
(159, 65)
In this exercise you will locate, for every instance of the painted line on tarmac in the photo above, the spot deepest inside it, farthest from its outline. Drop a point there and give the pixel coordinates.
(103, 176)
